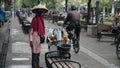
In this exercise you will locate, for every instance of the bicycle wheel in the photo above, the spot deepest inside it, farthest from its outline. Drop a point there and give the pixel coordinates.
(76, 46)
(118, 50)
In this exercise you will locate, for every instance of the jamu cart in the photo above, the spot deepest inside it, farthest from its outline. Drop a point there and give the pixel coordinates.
(59, 50)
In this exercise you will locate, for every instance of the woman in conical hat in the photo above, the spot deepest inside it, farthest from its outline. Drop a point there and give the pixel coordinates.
(37, 30)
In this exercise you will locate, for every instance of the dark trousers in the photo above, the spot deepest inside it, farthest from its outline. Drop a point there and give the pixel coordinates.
(116, 31)
(77, 32)
(35, 60)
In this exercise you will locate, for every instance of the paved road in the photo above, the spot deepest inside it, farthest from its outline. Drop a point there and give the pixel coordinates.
(93, 54)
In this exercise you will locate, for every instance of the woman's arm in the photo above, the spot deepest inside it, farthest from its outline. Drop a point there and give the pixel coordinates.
(30, 36)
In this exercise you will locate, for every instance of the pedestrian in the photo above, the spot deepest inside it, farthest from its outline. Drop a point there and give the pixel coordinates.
(116, 14)
(73, 21)
(37, 30)
(115, 29)
(101, 20)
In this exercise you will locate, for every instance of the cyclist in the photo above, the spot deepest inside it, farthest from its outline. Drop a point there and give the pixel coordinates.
(73, 21)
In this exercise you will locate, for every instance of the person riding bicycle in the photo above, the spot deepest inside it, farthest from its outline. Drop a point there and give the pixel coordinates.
(73, 21)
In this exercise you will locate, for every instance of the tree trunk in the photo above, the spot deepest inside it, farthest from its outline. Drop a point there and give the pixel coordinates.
(113, 10)
(66, 1)
(103, 12)
(89, 7)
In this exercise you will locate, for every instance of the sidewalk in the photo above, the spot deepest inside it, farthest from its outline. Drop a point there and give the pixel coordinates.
(2, 33)
(93, 54)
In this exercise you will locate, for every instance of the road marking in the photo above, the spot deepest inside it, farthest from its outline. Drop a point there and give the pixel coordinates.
(19, 66)
(20, 59)
(21, 47)
(14, 31)
(98, 58)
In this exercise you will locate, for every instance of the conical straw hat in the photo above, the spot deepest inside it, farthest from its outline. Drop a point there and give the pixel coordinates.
(39, 7)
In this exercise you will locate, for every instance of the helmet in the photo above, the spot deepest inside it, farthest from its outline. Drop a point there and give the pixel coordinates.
(73, 7)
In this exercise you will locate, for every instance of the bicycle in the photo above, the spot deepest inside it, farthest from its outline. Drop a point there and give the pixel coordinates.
(70, 28)
(74, 40)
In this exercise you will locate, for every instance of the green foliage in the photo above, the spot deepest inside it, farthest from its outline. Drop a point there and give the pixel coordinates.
(57, 3)
(28, 3)
(53, 4)
(109, 18)
(25, 3)
(18, 3)
(105, 3)
(85, 1)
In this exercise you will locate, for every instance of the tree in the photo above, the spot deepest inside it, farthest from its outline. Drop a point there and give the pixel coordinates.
(113, 9)
(105, 4)
(27, 3)
(89, 7)
(53, 4)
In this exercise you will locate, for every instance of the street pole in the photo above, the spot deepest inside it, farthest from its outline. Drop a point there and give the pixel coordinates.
(66, 1)
(97, 13)
(0, 3)
(14, 8)
(88, 11)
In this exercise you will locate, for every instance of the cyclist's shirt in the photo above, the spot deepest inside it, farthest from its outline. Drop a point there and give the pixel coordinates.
(73, 20)
(72, 16)
(116, 26)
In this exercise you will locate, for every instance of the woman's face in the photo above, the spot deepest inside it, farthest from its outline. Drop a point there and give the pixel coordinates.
(39, 12)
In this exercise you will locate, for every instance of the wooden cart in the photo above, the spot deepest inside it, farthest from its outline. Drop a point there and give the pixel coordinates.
(105, 30)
